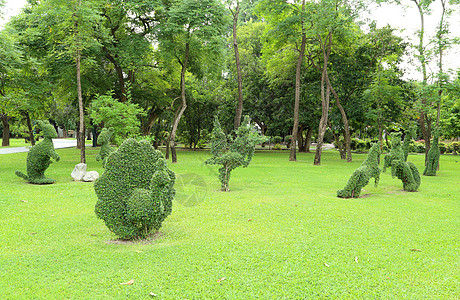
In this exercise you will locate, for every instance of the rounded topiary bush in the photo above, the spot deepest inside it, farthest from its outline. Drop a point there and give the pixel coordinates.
(135, 192)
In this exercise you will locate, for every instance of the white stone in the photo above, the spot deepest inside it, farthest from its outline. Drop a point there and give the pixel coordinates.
(79, 171)
(91, 176)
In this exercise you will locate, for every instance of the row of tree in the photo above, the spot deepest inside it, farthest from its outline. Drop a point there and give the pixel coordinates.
(165, 68)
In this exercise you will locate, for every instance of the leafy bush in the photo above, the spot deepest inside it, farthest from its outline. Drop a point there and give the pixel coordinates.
(135, 192)
(229, 153)
(38, 158)
(104, 140)
(455, 147)
(122, 117)
(442, 147)
(361, 176)
(277, 147)
(405, 171)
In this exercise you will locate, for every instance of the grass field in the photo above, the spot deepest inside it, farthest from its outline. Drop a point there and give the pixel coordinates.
(280, 232)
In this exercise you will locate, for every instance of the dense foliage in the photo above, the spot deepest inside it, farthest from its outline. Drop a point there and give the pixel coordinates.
(361, 176)
(230, 152)
(103, 140)
(39, 156)
(135, 192)
(432, 163)
(407, 172)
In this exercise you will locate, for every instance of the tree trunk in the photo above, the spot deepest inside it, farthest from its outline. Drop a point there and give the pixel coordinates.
(6, 130)
(81, 111)
(183, 106)
(325, 98)
(292, 154)
(347, 137)
(239, 107)
(29, 127)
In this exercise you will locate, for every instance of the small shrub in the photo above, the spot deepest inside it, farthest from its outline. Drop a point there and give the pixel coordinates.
(277, 147)
(104, 140)
(135, 192)
(455, 147)
(442, 147)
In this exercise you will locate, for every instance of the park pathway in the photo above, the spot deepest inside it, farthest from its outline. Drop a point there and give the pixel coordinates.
(58, 144)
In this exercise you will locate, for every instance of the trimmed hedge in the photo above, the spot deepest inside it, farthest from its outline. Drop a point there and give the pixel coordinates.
(135, 192)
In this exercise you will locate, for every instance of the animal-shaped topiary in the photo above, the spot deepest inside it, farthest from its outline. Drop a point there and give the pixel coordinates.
(135, 192)
(432, 163)
(361, 176)
(230, 153)
(407, 172)
(38, 158)
(104, 140)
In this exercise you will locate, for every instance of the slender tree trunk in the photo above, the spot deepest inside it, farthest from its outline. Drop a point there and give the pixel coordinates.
(346, 136)
(239, 107)
(300, 140)
(424, 120)
(183, 106)
(81, 111)
(292, 154)
(325, 98)
(6, 130)
(441, 50)
(29, 127)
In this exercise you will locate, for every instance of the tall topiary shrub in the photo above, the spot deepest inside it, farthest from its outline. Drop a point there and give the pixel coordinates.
(39, 156)
(361, 176)
(104, 140)
(432, 163)
(407, 172)
(135, 192)
(232, 153)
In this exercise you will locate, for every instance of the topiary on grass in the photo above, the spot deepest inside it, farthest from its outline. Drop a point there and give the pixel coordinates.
(104, 140)
(230, 153)
(38, 158)
(135, 192)
(432, 163)
(361, 176)
(407, 172)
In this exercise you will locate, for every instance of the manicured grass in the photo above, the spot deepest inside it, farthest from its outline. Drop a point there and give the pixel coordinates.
(280, 232)
(16, 143)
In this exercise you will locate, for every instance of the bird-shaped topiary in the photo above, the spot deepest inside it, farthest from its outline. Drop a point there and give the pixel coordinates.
(135, 192)
(38, 158)
(432, 163)
(361, 176)
(104, 140)
(410, 134)
(407, 172)
(232, 153)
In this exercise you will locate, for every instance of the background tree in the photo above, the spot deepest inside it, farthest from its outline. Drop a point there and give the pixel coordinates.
(193, 31)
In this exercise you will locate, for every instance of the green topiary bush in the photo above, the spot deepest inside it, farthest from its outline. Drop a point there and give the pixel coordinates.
(38, 158)
(432, 163)
(104, 140)
(405, 171)
(229, 153)
(410, 134)
(361, 176)
(277, 140)
(135, 192)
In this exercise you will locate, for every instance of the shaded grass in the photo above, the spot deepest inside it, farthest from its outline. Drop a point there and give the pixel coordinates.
(271, 236)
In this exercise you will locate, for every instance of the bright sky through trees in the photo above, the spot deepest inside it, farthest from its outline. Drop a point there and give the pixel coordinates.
(403, 17)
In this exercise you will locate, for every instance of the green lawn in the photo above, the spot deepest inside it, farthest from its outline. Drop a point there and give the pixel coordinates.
(16, 143)
(280, 233)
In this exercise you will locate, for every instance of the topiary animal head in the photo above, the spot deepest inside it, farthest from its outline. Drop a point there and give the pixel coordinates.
(48, 129)
(105, 136)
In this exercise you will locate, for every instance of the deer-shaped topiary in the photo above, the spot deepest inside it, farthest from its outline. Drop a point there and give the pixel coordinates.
(38, 158)
(361, 176)
(432, 163)
(104, 140)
